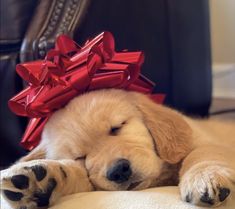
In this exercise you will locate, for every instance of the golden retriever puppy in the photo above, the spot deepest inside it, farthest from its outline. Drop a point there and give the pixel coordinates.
(120, 140)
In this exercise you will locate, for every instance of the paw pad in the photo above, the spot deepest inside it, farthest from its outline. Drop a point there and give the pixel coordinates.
(13, 196)
(43, 197)
(205, 189)
(206, 198)
(223, 194)
(31, 187)
(39, 171)
(188, 198)
(20, 181)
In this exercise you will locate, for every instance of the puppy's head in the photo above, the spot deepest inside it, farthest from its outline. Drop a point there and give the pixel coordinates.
(123, 138)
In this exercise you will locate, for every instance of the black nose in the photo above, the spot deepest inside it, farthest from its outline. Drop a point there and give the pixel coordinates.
(120, 171)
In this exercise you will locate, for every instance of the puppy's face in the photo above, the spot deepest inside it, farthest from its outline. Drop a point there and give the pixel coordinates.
(116, 134)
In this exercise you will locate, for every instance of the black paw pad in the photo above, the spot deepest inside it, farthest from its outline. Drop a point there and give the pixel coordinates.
(13, 196)
(20, 181)
(223, 194)
(188, 198)
(39, 171)
(206, 199)
(43, 197)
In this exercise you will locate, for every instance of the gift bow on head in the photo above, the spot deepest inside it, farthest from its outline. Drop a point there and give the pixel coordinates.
(70, 70)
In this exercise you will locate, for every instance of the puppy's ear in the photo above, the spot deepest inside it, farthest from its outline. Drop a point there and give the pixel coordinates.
(171, 134)
(37, 153)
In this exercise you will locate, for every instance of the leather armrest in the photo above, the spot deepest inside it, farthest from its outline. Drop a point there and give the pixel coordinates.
(15, 17)
(51, 19)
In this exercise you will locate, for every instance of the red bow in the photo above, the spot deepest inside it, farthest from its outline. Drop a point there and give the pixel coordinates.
(70, 70)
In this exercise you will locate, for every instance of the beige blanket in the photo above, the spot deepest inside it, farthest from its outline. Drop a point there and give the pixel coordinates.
(157, 198)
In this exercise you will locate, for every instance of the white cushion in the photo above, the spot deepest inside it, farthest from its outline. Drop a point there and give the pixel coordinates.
(156, 198)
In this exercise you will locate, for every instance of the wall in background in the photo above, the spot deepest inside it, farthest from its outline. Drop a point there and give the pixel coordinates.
(223, 30)
(223, 47)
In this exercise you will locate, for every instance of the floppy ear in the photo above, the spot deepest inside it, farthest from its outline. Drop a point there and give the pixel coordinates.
(37, 153)
(171, 133)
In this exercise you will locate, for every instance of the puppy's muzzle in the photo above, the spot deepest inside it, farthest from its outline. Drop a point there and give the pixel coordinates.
(120, 171)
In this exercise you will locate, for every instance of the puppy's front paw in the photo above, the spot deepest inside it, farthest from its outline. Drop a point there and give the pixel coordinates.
(29, 185)
(205, 186)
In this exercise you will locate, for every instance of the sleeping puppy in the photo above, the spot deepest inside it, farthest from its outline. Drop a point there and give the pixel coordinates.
(119, 140)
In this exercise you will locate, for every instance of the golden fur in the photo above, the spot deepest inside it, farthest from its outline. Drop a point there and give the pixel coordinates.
(161, 144)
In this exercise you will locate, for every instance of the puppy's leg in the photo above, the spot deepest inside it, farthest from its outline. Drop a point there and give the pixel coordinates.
(207, 176)
(39, 183)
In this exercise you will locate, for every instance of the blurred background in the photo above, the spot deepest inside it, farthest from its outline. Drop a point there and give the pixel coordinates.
(189, 47)
(223, 56)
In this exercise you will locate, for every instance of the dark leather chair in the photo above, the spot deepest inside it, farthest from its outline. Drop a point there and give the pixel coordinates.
(174, 35)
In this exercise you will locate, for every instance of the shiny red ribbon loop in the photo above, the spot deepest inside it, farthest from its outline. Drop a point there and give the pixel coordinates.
(69, 70)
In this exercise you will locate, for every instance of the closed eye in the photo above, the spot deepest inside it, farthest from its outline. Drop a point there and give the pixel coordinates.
(115, 129)
(80, 158)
